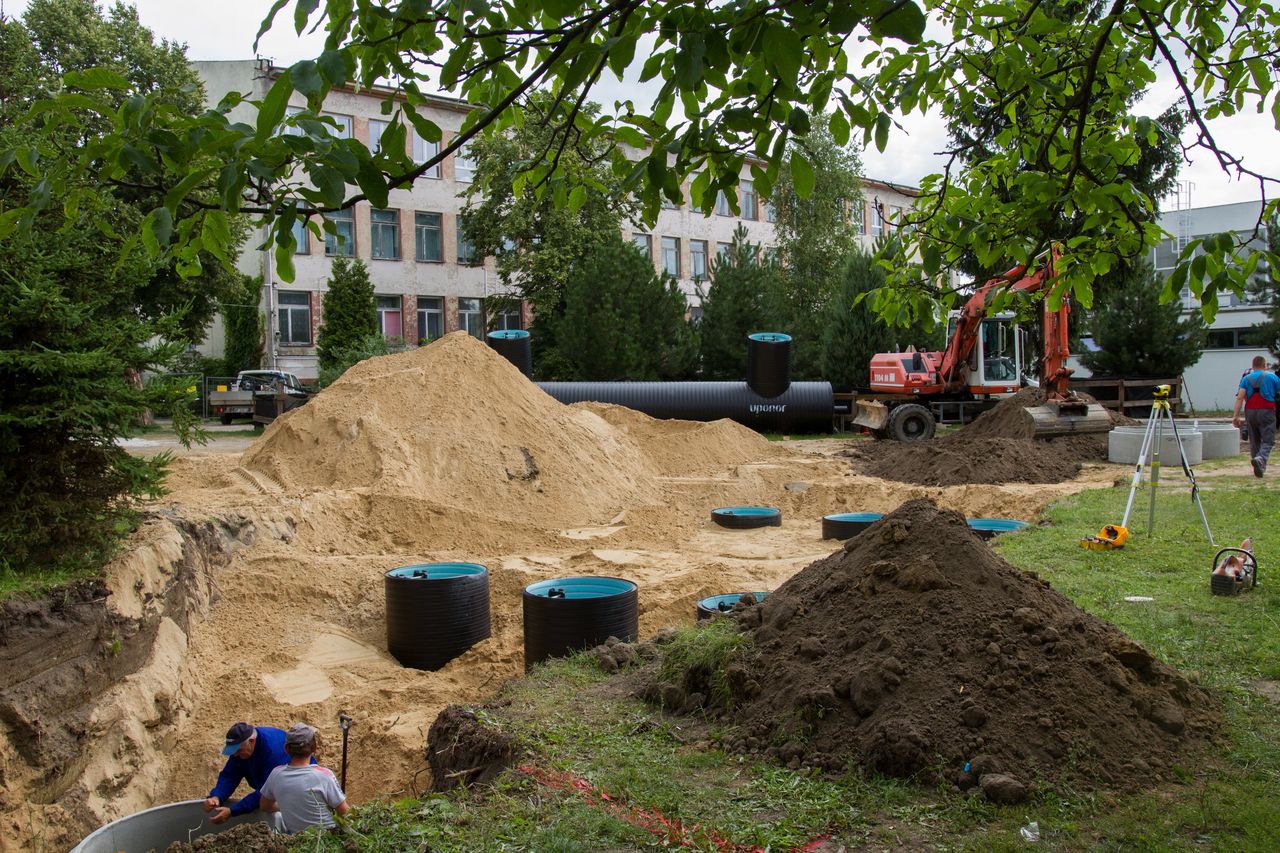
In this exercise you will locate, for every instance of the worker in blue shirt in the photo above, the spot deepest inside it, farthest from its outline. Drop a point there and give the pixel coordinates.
(1257, 397)
(253, 752)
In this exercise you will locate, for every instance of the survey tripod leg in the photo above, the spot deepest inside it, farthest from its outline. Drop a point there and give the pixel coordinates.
(1152, 439)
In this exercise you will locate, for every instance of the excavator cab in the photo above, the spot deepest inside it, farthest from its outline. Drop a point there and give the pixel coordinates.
(996, 363)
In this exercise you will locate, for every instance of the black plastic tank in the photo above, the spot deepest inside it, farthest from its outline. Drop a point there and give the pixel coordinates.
(515, 346)
(563, 615)
(803, 407)
(715, 605)
(769, 363)
(435, 612)
(846, 525)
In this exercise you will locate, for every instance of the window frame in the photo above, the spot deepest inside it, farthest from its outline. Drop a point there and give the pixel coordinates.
(332, 242)
(675, 247)
(460, 240)
(425, 313)
(376, 145)
(646, 246)
(750, 209)
(288, 309)
(477, 312)
(419, 229)
(378, 231)
(693, 261)
(463, 161)
(384, 310)
(419, 150)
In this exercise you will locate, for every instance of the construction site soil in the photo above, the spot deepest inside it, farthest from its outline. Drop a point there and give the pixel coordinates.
(997, 447)
(916, 651)
(257, 583)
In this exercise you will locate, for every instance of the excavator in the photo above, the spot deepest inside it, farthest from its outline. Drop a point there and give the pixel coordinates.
(983, 362)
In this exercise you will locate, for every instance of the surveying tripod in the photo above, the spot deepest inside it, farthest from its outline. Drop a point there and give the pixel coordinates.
(1151, 441)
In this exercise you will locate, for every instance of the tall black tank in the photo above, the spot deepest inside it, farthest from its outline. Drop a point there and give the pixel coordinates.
(802, 407)
(514, 345)
(769, 363)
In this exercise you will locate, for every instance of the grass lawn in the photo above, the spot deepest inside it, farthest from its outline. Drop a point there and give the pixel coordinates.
(573, 720)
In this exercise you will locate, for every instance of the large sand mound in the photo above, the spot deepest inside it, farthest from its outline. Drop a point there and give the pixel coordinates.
(917, 650)
(456, 424)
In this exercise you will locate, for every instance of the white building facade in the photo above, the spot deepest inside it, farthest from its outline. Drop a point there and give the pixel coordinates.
(426, 280)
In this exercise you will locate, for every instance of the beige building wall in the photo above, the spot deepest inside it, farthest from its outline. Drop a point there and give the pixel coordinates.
(410, 282)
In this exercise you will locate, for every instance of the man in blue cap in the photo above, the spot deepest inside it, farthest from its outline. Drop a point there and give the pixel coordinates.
(252, 753)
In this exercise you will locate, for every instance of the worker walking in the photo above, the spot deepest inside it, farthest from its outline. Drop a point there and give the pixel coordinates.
(252, 753)
(305, 794)
(1257, 395)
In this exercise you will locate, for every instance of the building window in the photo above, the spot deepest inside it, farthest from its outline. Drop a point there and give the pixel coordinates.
(770, 212)
(384, 232)
(671, 256)
(430, 318)
(292, 130)
(668, 204)
(508, 317)
(877, 221)
(644, 243)
(293, 314)
(427, 232)
(723, 249)
(343, 130)
(376, 129)
(471, 316)
(896, 215)
(1228, 339)
(722, 204)
(343, 240)
(389, 317)
(464, 166)
(750, 209)
(424, 151)
(301, 237)
(466, 251)
(698, 259)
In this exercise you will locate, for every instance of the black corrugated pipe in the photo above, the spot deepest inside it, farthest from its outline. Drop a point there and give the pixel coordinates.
(802, 407)
(769, 363)
(513, 345)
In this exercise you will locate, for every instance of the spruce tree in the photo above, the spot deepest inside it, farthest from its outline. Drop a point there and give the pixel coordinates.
(350, 312)
(622, 320)
(1137, 334)
(243, 324)
(744, 297)
(853, 332)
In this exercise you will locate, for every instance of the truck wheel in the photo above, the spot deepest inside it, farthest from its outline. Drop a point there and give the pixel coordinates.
(911, 422)
(226, 419)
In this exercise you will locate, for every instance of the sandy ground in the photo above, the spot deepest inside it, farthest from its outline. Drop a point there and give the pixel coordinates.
(299, 631)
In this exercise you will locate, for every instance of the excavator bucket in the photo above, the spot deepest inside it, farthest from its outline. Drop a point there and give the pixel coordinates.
(1068, 417)
(870, 414)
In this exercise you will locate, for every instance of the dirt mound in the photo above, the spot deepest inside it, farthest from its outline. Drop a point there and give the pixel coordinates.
(456, 424)
(245, 838)
(916, 650)
(463, 750)
(997, 447)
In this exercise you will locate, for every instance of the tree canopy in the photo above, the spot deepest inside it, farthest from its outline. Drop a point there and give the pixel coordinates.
(737, 80)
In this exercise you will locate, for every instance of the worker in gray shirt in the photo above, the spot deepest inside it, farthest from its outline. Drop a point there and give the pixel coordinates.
(304, 794)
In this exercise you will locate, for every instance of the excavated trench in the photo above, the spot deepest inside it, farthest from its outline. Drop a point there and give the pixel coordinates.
(255, 591)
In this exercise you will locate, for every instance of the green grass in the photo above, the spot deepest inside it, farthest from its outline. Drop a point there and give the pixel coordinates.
(572, 719)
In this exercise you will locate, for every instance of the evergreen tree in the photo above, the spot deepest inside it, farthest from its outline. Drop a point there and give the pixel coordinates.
(744, 297)
(1264, 289)
(80, 322)
(816, 235)
(243, 325)
(622, 320)
(350, 311)
(1138, 335)
(853, 332)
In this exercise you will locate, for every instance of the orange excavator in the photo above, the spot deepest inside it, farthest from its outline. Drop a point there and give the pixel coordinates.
(983, 362)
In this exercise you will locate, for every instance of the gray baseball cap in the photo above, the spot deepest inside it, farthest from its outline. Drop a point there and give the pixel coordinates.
(300, 734)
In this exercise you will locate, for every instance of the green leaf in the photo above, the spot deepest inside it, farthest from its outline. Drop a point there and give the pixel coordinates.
(161, 225)
(802, 175)
(577, 197)
(798, 121)
(266, 22)
(271, 110)
(334, 67)
(96, 78)
(904, 21)
(306, 78)
(180, 190)
(27, 158)
(302, 12)
(883, 123)
(284, 260)
(784, 52)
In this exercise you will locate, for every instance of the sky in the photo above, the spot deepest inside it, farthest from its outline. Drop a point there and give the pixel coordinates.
(225, 29)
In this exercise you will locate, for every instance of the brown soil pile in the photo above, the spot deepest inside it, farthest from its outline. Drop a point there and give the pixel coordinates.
(456, 424)
(997, 447)
(916, 650)
(245, 838)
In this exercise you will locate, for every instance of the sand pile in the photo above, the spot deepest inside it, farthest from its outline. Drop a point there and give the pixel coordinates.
(997, 447)
(917, 650)
(455, 424)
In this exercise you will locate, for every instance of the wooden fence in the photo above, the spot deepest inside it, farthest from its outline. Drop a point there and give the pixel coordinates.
(1132, 397)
